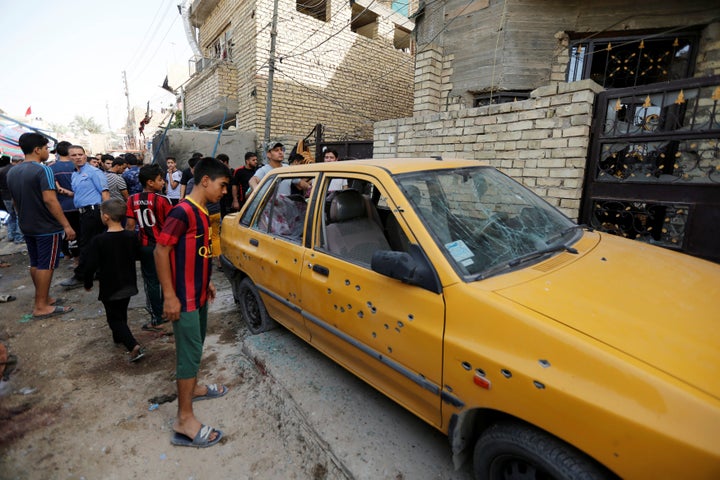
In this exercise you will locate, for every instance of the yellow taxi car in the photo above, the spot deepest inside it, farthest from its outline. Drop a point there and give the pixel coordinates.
(541, 348)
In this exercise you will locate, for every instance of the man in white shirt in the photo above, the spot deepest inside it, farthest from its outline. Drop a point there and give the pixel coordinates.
(172, 180)
(275, 157)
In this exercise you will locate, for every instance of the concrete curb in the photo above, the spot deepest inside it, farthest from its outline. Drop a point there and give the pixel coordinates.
(368, 435)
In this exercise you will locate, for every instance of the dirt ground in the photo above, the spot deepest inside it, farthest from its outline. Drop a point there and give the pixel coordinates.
(75, 408)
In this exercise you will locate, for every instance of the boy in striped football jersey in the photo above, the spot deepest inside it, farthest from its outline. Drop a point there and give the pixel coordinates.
(148, 210)
(183, 258)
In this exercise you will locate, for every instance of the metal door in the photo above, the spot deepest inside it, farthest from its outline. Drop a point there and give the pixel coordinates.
(654, 167)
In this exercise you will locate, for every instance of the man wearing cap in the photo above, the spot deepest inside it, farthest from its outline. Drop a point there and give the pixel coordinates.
(90, 189)
(275, 156)
(63, 169)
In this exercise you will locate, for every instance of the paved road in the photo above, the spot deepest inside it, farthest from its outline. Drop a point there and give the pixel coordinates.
(371, 436)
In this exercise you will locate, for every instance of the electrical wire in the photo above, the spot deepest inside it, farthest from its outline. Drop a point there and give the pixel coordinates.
(283, 57)
(141, 46)
(324, 96)
(135, 75)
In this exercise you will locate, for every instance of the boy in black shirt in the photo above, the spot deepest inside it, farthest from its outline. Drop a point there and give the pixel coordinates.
(112, 254)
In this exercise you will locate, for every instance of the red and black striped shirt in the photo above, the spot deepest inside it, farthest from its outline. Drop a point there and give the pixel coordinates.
(187, 229)
(149, 211)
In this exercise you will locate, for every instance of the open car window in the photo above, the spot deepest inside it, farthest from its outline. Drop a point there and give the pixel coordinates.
(356, 221)
(282, 209)
(483, 220)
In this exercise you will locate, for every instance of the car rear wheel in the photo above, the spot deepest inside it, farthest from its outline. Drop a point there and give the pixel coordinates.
(253, 308)
(514, 451)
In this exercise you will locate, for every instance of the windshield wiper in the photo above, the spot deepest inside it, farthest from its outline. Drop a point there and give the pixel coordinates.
(565, 232)
(539, 253)
(524, 258)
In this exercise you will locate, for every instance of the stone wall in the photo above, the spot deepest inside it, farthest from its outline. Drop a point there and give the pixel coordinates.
(541, 142)
(181, 144)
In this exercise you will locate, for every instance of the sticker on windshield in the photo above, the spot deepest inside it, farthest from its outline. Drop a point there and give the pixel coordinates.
(460, 252)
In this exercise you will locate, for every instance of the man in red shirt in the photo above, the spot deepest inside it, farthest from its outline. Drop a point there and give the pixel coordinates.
(183, 258)
(148, 210)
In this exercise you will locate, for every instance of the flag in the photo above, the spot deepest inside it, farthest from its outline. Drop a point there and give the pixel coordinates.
(28, 112)
(166, 86)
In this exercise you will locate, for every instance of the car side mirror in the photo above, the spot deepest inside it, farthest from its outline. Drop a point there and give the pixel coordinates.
(412, 268)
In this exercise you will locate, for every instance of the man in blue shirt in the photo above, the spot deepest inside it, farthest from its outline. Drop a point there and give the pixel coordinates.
(90, 189)
(132, 174)
(63, 169)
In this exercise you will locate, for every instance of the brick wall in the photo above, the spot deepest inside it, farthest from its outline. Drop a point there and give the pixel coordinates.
(325, 73)
(328, 74)
(541, 142)
(211, 87)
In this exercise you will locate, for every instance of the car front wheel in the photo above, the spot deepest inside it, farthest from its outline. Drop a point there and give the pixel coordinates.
(513, 451)
(253, 308)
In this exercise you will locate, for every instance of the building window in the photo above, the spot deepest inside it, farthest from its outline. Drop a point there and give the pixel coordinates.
(221, 47)
(314, 8)
(627, 61)
(484, 99)
(401, 7)
(363, 21)
(402, 39)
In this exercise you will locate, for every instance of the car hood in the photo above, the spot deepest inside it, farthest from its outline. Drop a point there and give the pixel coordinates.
(658, 306)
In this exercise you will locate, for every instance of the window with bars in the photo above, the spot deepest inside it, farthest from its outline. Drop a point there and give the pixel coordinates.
(628, 61)
(484, 99)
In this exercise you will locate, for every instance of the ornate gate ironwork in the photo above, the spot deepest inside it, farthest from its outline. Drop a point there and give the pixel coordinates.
(654, 167)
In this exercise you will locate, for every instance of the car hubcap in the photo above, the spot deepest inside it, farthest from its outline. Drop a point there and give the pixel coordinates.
(252, 309)
(515, 468)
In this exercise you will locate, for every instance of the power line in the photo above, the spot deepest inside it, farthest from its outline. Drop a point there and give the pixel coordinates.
(290, 55)
(137, 74)
(140, 49)
(323, 95)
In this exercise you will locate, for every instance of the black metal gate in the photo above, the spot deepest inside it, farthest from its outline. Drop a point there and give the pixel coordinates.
(654, 168)
(348, 150)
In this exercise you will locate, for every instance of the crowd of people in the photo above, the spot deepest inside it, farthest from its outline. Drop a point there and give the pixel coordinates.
(88, 209)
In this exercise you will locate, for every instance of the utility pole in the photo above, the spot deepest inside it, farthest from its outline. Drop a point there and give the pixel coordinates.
(129, 125)
(107, 112)
(271, 74)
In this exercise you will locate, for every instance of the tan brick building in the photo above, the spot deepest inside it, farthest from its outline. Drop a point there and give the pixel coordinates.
(342, 64)
(607, 109)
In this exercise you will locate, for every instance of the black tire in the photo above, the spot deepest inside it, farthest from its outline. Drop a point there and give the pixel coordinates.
(513, 451)
(253, 308)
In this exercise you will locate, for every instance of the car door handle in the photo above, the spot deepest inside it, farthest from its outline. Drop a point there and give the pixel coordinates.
(254, 242)
(321, 270)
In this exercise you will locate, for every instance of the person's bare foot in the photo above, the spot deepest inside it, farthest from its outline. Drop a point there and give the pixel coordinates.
(191, 427)
(51, 311)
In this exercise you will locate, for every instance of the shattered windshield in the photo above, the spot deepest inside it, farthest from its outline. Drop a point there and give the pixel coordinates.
(485, 222)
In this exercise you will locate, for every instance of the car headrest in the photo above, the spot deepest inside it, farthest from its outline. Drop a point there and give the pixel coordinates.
(346, 205)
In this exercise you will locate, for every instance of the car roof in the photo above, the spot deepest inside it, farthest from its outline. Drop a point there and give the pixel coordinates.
(391, 165)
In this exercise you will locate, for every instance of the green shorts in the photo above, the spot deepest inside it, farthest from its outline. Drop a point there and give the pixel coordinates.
(189, 333)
